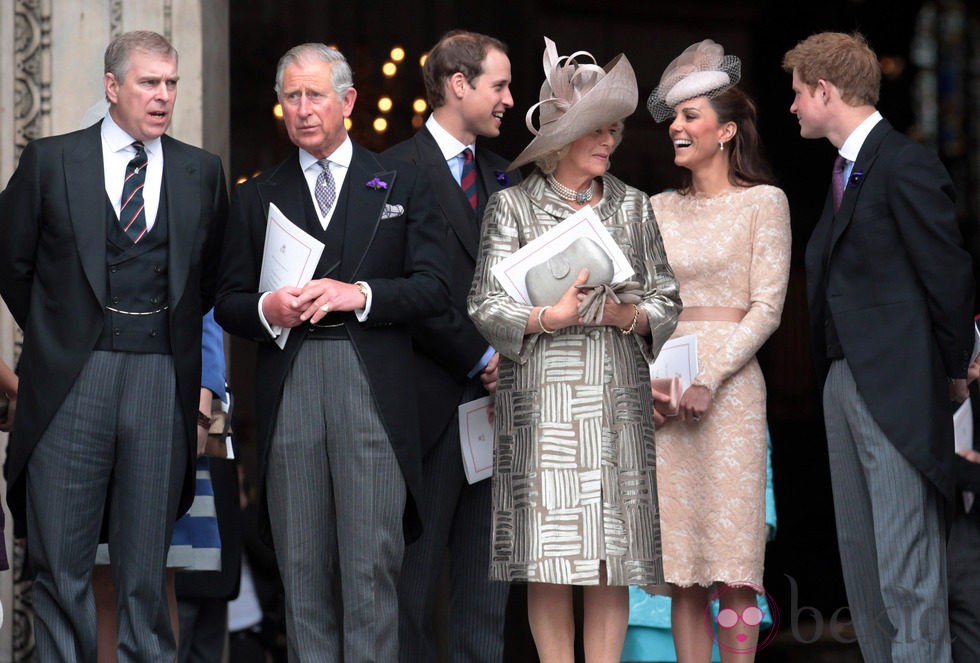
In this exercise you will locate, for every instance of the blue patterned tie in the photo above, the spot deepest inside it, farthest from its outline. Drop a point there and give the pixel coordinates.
(467, 180)
(131, 213)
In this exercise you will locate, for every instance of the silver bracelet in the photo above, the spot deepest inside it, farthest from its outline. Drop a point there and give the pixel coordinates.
(541, 320)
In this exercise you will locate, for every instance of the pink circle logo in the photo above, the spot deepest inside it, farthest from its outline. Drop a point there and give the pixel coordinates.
(741, 625)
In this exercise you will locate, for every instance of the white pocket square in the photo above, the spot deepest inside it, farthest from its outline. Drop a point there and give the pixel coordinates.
(391, 211)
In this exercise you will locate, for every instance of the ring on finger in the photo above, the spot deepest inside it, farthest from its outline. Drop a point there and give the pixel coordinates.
(325, 308)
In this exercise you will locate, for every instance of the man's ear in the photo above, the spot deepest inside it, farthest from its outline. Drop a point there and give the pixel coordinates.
(825, 90)
(457, 84)
(111, 87)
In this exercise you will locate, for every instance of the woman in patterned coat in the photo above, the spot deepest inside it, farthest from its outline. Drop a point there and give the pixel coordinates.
(728, 234)
(574, 490)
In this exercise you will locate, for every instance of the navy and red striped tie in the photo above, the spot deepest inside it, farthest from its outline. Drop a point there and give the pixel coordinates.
(467, 180)
(131, 213)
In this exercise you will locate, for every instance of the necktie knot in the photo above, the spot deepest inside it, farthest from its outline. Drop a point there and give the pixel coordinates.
(467, 179)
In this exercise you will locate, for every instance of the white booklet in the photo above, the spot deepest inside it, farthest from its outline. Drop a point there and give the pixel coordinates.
(678, 356)
(476, 438)
(963, 417)
(585, 223)
(963, 426)
(290, 257)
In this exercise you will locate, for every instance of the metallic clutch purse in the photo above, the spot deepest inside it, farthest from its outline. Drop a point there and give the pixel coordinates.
(546, 282)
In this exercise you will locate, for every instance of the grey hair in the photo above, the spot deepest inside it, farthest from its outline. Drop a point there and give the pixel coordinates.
(548, 163)
(119, 50)
(341, 77)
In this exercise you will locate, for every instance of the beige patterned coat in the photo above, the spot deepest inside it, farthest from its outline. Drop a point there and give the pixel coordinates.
(574, 464)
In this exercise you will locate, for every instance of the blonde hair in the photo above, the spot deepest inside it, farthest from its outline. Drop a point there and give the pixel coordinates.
(846, 60)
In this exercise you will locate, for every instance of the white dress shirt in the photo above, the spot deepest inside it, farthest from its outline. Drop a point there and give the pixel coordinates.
(852, 146)
(117, 152)
(450, 147)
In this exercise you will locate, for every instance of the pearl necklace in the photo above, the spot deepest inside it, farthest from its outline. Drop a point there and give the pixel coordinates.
(571, 195)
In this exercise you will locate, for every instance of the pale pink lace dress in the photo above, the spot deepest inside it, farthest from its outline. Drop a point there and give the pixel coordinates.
(730, 250)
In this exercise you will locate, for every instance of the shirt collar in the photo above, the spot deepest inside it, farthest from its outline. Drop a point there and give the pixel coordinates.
(342, 156)
(448, 144)
(852, 146)
(116, 138)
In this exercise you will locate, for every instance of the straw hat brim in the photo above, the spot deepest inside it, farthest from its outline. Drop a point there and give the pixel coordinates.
(612, 99)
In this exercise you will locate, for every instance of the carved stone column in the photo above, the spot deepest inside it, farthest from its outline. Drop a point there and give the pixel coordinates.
(51, 61)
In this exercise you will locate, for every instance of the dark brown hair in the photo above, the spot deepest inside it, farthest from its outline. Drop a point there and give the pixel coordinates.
(460, 51)
(747, 163)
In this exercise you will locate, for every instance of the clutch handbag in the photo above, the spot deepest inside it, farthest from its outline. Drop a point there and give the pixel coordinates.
(216, 447)
(671, 387)
(546, 282)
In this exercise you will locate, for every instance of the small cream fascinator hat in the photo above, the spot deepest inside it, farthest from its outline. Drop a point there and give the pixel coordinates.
(576, 98)
(702, 69)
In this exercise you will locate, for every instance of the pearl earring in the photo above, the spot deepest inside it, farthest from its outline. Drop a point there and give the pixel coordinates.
(721, 145)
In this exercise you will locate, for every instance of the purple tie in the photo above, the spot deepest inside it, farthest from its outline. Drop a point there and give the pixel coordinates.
(131, 213)
(467, 180)
(837, 180)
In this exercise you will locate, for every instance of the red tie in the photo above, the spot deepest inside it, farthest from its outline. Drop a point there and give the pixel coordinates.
(837, 180)
(467, 180)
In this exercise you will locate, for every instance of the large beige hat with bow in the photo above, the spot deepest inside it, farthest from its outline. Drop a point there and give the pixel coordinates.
(576, 98)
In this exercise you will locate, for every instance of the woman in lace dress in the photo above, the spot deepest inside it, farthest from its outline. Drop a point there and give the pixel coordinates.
(574, 490)
(727, 233)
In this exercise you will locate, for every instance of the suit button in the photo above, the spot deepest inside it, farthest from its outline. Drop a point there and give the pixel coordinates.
(157, 269)
(153, 333)
(115, 332)
(154, 300)
(113, 269)
(115, 300)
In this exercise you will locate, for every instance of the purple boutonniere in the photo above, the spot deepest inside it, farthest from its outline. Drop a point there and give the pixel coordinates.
(376, 184)
(856, 178)
(502, 177)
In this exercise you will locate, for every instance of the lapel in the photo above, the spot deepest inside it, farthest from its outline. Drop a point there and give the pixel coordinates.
(285, 187)
(489, 176)
(852, 190)
(85, 184)
(452, 201)
(181, 186)
(364, 208)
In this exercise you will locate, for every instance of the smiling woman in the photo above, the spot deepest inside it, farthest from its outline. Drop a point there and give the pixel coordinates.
(574, 430)
(727, 233)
